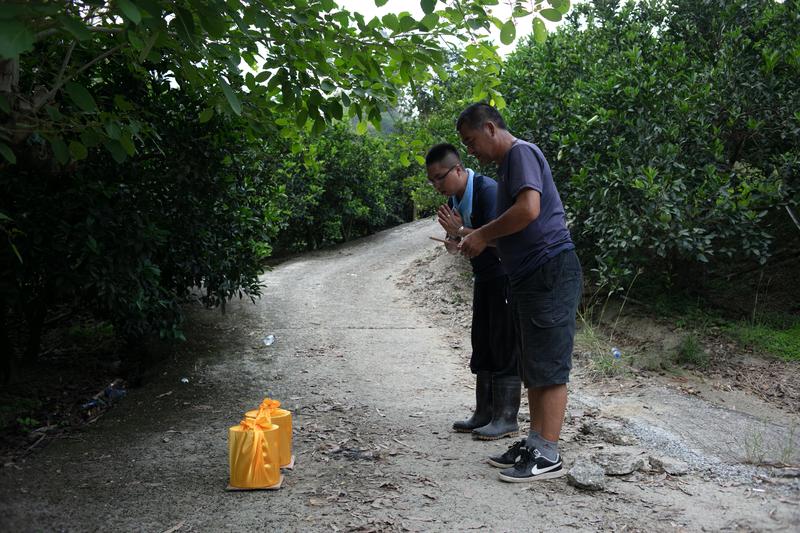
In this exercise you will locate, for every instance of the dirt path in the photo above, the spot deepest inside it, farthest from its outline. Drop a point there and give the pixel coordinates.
(375, 380)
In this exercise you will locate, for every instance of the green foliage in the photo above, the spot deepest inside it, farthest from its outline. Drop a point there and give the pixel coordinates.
(311, 60)
(600, 362)
(437, 106)
(690, 352)
(604, 365)
(782, 342)
(97, 332)
(12, 406)
(425, 198)
(346, 186)
(191, 209)
(153, 151)
(670, 129)
(27, 423)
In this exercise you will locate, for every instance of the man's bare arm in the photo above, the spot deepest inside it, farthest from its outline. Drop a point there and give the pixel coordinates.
(525, 210)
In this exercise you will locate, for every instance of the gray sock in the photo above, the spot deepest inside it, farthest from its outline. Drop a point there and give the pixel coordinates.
(547, 448)
(534, 440)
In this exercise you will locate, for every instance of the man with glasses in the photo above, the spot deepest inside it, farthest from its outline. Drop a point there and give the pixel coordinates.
(470, 205)
(539, 257)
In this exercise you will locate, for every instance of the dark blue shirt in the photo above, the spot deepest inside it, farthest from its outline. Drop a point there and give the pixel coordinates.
(484, 195)
(524, 167)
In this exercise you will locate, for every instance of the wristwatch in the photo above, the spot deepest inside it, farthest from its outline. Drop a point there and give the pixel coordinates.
(458, 232)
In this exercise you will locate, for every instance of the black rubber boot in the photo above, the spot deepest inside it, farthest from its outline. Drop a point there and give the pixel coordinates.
(505, 406)
(483, 404)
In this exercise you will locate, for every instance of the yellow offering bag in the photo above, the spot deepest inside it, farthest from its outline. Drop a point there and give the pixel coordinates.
(253, 453)
(283, 419)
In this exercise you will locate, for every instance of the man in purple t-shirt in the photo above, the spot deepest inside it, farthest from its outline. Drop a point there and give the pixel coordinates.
(539, 257)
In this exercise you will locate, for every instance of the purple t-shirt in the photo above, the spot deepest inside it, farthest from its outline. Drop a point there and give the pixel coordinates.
(524, 167)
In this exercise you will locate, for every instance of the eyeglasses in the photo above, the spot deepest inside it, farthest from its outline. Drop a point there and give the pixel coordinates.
(437, 179)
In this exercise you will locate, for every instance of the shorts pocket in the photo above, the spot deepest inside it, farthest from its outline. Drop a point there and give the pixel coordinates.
(539, 308)
(550, 315)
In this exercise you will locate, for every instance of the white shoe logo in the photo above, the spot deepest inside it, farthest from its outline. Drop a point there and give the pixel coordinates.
(536, 470)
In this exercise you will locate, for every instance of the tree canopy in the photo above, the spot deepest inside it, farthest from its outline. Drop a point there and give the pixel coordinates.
(149, 148)
(672, 128)
(277, 64)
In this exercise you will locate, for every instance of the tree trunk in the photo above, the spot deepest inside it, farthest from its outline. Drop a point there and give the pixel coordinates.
(34, 316)
(7, 351)
(9, 75)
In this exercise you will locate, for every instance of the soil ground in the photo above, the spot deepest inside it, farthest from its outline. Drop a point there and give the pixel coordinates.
(370, 351)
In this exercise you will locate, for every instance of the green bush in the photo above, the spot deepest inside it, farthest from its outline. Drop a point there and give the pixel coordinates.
(436, 107)
(672, 129)
(690, 352)
(345, 186)
(192, 211)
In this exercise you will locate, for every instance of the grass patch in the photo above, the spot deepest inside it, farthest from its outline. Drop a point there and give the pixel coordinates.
(16, 409)
(781, 449)
(783, 343)
(655, 361)
(601, 362)
(92, 332)
(788, 450)
(777, 333)
(690, 352)
(606, 366)
(755, 451)
(685, 311)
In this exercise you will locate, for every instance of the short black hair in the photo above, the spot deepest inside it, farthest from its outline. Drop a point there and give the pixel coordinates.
(440, 152)
(476, 115)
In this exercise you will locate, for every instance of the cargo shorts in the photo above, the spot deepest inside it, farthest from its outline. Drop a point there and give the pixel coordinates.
(545, 304)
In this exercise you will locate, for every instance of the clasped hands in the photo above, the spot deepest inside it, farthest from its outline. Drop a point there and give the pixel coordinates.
(469, 245)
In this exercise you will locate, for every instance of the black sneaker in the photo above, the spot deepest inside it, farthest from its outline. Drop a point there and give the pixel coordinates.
(509, 458)
(532, 466)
